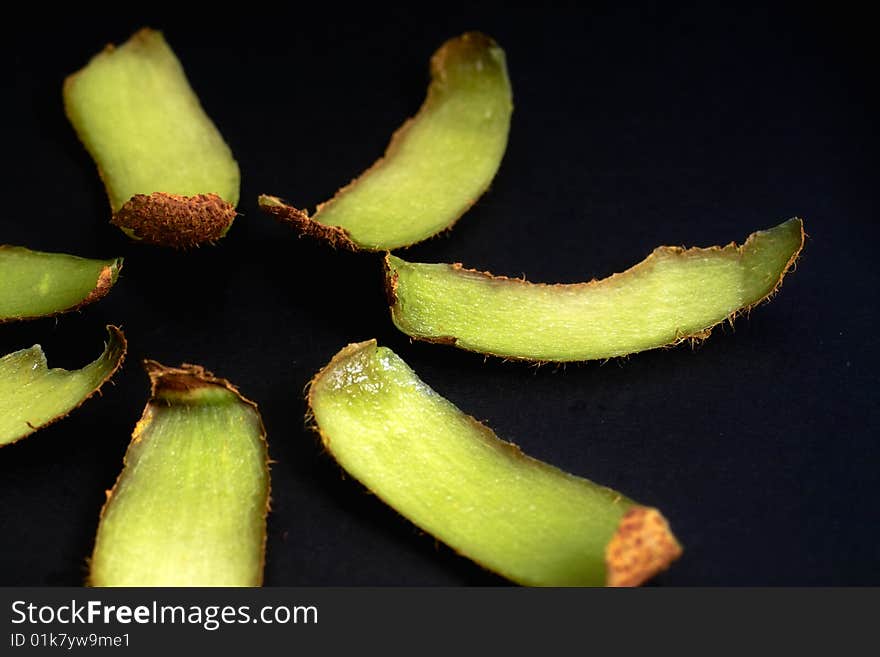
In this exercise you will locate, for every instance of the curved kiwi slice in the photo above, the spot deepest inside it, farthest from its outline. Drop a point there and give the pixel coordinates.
(437, 164)
(455, 479)
(33, 396)
(674, 295)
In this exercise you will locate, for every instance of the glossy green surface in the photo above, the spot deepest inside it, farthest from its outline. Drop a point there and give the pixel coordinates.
(32, 395)
(135, 112)
(189, 508)
(455, 479)
(36, 284)
(672, 295)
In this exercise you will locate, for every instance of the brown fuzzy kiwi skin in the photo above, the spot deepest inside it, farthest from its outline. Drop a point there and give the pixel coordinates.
(696, 337)
(115, 333)
(102, 285)
(173, 220)
(188, 378)
(642, 546)
(300, 221)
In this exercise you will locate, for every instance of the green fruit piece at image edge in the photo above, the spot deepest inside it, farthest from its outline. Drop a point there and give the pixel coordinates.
(437, 164)
(170, 177)
(672, 296)
(189, 508)
(456, 480)
(33, 396)
(37, 284)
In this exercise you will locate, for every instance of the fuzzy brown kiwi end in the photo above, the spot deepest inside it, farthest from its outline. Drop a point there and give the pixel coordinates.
(642, 546)
(181, 222)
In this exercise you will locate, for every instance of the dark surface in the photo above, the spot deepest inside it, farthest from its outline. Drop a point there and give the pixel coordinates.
(632, 128)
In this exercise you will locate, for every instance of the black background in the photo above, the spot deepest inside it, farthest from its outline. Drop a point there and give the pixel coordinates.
(633, 127)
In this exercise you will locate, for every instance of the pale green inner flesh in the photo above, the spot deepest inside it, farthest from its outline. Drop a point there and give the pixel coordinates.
(134, 110)
(33, 283)
(442, 164)
(189, 507)
(667, 297)
(32, 395)
(455, 479)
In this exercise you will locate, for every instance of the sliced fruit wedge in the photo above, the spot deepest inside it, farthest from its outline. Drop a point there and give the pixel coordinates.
(674, 295)
(452, 476)
(33, 396)
(437, 164)
(189, 508)
(38, 284)
(170, 177)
